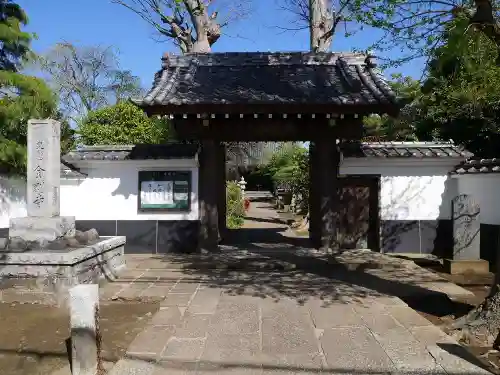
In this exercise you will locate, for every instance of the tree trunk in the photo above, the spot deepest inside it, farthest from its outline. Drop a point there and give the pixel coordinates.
(207, 29)
(321, 29)
(483, 322)
(186, 22)
(484, 19)
(320, 25)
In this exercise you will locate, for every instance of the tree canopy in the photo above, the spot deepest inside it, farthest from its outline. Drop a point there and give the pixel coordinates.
(460, 100)
(416, 28)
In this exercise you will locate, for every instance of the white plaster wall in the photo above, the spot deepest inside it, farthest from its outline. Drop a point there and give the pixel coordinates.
(410, 189)
(109, 192)
(12, 199)
(485, 189)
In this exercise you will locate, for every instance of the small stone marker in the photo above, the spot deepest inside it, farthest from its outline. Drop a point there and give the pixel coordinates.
(84, 314)
(466, 227)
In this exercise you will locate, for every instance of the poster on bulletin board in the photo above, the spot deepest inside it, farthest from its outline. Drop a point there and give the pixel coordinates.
(164, 190)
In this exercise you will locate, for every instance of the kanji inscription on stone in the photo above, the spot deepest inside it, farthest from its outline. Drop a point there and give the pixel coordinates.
(466, 228)
(43, 173)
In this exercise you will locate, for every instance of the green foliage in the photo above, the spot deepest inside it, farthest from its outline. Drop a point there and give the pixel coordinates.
(460, 100)
(416, 28)
(21, 97)
(401, 128)
(15, 43)
(289, 166)
(123, 123)
(235, 209)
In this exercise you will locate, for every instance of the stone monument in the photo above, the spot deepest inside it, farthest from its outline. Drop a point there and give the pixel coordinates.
(44, 246)
(43, 223)
(466, 237)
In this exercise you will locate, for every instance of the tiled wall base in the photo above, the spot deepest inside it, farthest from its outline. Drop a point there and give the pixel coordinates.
(434, 237)
(490, 244)
(145, 236)
(149, 236)
(397, 236)
(417, 236)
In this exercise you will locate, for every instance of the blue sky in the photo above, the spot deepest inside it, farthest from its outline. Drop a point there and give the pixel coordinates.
(100, 22)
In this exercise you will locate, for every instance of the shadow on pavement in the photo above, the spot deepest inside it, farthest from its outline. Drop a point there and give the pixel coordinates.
(219, 366)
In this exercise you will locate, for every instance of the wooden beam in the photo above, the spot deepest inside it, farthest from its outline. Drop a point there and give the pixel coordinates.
(265, 129)
(274, 108)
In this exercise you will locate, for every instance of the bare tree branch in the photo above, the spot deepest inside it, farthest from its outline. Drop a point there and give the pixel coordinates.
(86, 78)
(192, 25)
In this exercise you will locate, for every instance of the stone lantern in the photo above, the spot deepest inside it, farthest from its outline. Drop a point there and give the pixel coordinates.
(242, 184)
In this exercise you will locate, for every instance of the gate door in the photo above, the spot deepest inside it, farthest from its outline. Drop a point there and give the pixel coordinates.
(358, 213)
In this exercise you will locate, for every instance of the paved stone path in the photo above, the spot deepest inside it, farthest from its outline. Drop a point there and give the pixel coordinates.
(316, 318)
(201, 328)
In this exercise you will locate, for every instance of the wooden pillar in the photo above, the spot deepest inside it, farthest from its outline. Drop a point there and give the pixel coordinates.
(374, 212)
(221, 188)
(209, 194)
(327, 164)
(314, 203)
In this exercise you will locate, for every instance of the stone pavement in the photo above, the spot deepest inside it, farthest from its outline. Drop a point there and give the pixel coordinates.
(217, 322)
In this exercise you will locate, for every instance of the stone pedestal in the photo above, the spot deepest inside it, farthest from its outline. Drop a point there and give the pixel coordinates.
(457, 267)
(40, 230)
(55, 271)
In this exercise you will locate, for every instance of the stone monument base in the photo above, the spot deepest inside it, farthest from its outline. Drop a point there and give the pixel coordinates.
(457, 267)
(39, 230)
(55, 271)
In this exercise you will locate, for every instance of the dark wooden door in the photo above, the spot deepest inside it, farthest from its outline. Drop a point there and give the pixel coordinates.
(358, 213)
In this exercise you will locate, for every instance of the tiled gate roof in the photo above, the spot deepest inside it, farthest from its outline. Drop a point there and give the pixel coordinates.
(345, 79)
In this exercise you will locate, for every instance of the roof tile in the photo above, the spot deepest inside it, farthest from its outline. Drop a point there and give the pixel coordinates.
(172, 150)
(476, 166)
(403, 149)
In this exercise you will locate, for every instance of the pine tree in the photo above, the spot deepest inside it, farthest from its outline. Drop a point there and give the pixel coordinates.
(21, 97)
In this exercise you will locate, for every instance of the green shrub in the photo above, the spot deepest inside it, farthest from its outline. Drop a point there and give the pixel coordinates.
(235, 209)
(122, 124)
